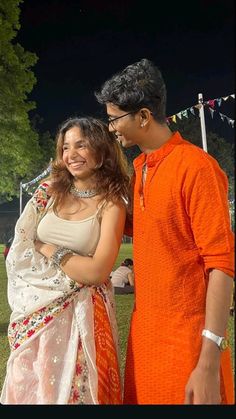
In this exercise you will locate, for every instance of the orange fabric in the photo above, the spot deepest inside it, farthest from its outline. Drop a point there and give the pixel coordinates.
(181, 230)
(109, 385)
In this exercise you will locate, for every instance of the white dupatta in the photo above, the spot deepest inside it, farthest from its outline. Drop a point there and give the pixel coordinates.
(42, 362)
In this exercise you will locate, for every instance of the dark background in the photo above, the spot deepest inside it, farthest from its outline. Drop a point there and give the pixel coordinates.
(82, 43)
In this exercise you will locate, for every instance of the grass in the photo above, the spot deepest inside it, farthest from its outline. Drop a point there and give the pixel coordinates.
(4, 319)
(126, 251)
(124, 305)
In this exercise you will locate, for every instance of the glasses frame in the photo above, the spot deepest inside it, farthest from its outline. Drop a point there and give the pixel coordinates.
(110, 121)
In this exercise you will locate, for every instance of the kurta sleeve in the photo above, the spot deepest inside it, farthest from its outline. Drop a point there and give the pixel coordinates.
(206, 200)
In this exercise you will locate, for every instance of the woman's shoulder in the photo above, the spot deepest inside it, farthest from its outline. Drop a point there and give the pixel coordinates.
(118, 204)
(107, 207)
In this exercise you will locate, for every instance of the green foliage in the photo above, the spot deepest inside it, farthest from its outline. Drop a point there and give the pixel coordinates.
(126, 251)
(47, 146)
(218, 147)
(19, 145)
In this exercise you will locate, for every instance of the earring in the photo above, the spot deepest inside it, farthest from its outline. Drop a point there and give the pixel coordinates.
(142, 125)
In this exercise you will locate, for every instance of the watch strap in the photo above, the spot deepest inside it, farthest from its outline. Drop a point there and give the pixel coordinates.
(215, 338)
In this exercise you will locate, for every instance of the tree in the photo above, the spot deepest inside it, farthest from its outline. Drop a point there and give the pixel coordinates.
(46, 143)
(19, 145)
(218, 147)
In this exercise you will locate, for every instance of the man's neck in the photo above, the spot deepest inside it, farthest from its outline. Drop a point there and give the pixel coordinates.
(156, 136)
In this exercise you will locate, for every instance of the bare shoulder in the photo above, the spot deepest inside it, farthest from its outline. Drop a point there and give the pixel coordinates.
(111, 207)
(114, 214)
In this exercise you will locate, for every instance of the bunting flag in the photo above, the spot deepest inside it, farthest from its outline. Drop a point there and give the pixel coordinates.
(210, 105)
(179, 114)
(211, 102)
(222, 117)
(192, 110)
(211, 112)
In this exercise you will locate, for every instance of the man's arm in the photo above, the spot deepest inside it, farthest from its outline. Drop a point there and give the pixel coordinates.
(204, 384)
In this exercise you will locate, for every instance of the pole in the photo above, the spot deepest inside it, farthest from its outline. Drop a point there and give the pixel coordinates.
(20, 198)
(202, 120)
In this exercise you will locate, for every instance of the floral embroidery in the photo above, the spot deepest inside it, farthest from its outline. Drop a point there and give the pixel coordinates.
(19, 331)
(48, 319)
(30, 333)
(80, 382)
(41, 197)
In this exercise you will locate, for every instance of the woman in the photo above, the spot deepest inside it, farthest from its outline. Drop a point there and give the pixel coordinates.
(62, 330)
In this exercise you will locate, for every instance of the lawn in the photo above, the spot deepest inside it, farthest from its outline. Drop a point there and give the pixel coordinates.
(124, 305)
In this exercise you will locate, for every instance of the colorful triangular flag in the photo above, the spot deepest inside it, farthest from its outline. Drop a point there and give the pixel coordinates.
(211, 112)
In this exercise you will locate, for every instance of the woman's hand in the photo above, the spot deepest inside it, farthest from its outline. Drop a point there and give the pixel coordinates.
(45, 249)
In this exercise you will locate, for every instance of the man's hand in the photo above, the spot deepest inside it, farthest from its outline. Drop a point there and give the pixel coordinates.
(203, 387)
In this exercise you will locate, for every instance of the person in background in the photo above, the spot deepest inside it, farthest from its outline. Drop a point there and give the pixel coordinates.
(7, 247)
(183, 251)
(123, 275)
(63, 332)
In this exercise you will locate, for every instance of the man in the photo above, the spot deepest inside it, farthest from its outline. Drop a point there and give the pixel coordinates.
(182, 251)
(123, 276)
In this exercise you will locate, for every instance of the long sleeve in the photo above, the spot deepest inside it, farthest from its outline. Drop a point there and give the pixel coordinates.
(207, 206)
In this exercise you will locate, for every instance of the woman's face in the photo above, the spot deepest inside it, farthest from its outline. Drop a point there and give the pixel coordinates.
(77, 157)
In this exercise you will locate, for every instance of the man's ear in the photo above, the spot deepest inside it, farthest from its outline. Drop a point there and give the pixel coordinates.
(145, 116)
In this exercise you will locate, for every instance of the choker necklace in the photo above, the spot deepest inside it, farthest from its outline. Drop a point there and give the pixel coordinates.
(82, 194)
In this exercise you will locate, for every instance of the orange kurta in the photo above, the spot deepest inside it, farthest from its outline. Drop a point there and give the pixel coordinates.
(181, 230)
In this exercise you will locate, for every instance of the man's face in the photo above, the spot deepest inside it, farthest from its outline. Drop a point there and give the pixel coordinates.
(126, 127)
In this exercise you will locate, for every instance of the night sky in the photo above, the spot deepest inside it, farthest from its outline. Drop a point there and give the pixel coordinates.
(82, 43)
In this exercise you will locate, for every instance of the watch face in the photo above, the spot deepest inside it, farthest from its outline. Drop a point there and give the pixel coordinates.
(224, 344)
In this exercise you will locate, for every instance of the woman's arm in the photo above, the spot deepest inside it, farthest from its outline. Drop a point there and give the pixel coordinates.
(96, 269)
(131, 278)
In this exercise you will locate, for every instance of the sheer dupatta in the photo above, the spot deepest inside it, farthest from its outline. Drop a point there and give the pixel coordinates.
(58, 337)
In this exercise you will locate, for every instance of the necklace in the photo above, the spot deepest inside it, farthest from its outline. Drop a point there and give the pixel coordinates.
(82, 194)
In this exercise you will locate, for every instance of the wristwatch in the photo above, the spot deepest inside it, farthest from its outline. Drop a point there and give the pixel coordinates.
(220, 341)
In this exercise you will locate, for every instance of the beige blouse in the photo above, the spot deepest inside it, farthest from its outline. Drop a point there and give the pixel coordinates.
(80, 236)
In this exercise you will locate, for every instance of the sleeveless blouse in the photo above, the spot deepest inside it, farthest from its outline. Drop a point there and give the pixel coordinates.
(80, 236)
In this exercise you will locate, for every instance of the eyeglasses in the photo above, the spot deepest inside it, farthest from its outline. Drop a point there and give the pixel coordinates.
(112, 120)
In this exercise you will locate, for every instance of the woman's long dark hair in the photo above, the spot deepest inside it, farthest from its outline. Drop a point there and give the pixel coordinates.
(111, 172)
